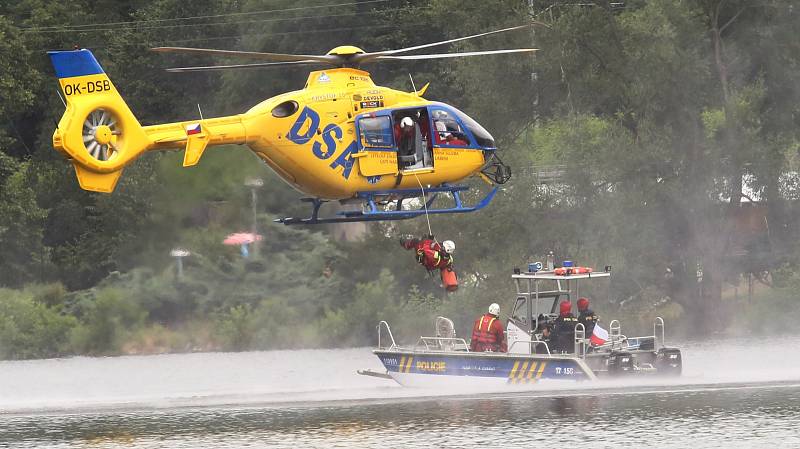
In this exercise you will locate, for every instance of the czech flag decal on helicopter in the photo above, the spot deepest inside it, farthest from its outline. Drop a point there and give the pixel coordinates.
(193, 128)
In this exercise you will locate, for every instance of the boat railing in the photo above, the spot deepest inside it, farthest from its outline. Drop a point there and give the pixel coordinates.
(580, 340)
(443, 344)
(381, 325)
(658, 323)
(532, 345)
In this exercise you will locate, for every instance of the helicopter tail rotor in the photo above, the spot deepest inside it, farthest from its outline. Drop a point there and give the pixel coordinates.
(98, 132)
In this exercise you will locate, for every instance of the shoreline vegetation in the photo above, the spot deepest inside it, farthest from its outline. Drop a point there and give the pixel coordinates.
(45, 321)
(661, 138)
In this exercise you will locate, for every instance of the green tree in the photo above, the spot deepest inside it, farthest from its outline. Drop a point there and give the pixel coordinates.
(31, 330)
(21, 222)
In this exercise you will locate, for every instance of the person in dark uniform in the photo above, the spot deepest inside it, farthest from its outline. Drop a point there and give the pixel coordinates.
(563, 333)
(546, 327)
(586, 316)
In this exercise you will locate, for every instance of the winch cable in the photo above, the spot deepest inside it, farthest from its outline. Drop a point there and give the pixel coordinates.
(425, 205)
(427, 218)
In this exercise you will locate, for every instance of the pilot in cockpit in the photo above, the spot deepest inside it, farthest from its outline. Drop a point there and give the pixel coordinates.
(447, 130)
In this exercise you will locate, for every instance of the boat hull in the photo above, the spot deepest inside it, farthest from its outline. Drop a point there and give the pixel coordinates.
(417, 368)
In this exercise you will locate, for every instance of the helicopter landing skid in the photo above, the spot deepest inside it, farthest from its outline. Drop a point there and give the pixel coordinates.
(374, 199)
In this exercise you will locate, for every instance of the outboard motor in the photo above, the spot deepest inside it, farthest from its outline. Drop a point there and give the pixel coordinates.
(620, 363)
(669, 362)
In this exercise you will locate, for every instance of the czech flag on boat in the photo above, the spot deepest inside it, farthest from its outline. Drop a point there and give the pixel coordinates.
(599, 335)
(194, 128)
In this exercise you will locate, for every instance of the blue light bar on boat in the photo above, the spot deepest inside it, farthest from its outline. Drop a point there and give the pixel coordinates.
(534, 267)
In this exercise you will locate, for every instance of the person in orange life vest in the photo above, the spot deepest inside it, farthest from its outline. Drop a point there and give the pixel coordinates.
(586, 316)
(430, 254)
(487, 333)
(563, 332)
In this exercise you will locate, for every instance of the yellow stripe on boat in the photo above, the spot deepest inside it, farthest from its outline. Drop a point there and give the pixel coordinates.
(513, 372)
(531, 372)
(541, 369)
(522, 370)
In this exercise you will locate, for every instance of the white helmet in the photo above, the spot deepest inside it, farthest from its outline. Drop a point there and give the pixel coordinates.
(494, 309)
(449, 246)
(406, 122)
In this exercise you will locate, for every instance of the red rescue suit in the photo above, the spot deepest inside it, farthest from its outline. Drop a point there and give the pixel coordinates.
(488, 335)
(430, 254)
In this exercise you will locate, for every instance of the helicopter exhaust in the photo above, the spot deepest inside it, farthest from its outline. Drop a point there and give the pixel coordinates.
(100, 135)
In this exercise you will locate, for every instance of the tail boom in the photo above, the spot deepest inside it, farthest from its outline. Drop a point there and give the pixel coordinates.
(195, 136)
(100, 135)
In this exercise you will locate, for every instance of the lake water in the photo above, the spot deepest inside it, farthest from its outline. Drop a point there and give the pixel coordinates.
(734, 393)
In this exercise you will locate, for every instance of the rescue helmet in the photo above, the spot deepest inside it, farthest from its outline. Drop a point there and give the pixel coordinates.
(406, 122)
(583, 303)
(449, 246)
(494, 309)
(565, 308)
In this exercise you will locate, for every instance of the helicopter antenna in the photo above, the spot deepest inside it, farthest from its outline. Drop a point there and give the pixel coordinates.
(200, 111)
(61, 98)
(412, 83)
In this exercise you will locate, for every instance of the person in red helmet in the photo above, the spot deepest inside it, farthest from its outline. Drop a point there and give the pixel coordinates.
(586, 316)
(563, 333)
(487, 333)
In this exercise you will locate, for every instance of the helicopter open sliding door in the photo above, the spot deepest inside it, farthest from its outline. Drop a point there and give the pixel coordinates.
(413, 139)
(377, 149)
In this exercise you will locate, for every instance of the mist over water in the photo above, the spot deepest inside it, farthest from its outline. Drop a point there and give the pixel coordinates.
(743, 392)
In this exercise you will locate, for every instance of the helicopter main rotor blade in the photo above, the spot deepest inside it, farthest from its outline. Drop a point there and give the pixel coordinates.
(343, 60)
(453, 55)
(373, 55)
(281, 57)
(256, 65)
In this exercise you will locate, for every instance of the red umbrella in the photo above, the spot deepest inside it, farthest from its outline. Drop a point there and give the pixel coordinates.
(241, 238)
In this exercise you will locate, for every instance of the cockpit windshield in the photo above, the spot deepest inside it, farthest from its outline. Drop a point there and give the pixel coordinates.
(447, 130)
(481, 135)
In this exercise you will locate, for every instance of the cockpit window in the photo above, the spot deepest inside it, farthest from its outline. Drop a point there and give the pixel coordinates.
(447, 129)
(376, 132)
(519, 311)
(481, 135)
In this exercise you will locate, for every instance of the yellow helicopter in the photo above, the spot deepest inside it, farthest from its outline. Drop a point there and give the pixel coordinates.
(339, 138)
